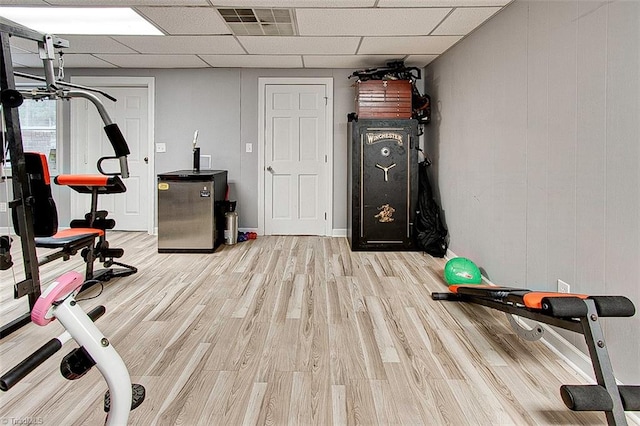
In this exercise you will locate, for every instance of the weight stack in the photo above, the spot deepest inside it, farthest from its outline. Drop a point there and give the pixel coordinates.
(382, 191)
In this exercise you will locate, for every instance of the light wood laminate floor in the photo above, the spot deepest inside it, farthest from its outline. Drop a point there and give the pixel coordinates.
(291, 331)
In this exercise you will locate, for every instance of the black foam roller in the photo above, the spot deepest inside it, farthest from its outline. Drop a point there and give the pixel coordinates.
(444, 296)
(117, 140)
(17, 373)
(630, 396)
(586, 398)
(614, 306)
(564, 307)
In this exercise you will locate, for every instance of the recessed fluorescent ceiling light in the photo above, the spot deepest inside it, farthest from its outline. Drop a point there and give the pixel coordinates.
(75, 20)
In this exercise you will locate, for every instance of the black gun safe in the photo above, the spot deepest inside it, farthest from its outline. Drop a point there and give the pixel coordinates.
(383, 182)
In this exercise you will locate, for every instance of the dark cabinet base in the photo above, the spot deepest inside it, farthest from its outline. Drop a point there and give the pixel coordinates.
(382, 184)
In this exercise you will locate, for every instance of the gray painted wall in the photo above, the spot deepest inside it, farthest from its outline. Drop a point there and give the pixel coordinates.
(536, 144)
(222, 104)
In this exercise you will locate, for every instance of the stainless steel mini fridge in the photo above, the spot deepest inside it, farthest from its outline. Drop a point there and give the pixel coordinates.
(189, 208)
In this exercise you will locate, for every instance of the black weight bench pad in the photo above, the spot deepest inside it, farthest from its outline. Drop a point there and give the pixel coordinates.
(614, 306)
(44, 215)
(562, 305)
(630, 396)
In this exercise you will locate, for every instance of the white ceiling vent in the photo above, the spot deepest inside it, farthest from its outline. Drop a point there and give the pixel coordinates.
(270, 22)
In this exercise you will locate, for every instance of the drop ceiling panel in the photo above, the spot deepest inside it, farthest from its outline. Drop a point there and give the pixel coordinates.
(29, 60)
(253, 61)
(85, 61)
(23, 3)
(426, 45)
(32, 60)
(294, 3)
(419, 61)
(125, 3)
(94, 44)
(361, 22)
(17, 51)
(182, 44)
(352, 34)
(300, 45)
(155, 61)
(24, 44)
(345, 61)
(464, 19)
(441, 3)
(186, 20)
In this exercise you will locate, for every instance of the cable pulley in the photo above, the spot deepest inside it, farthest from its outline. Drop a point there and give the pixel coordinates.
(11, 98)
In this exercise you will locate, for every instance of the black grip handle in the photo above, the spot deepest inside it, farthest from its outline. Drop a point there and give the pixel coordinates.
(630, 396)
(96, 312)
(17, 373)
(117, 140)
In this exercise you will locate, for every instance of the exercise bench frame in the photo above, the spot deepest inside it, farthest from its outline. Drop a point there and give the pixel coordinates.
(574, 312)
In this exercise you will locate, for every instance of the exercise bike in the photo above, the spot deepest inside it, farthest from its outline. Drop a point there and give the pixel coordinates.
(59, 302)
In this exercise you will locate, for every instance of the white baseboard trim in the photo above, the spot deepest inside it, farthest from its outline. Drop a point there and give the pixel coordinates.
(574, 357)
(339, 232)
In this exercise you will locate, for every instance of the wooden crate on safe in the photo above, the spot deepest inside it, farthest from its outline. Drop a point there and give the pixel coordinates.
(383, 99)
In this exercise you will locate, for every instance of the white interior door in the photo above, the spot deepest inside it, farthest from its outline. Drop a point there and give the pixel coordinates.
(295, 159)
(89, 142)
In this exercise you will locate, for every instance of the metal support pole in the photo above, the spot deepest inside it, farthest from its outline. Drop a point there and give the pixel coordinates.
(22, 197)
(601, 362)
(21, 192)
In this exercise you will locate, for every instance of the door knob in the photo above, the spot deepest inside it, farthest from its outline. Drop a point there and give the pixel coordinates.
(269, 168)
(146, 160)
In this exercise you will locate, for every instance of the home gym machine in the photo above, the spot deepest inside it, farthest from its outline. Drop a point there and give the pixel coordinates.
(69, 241)
(35, 216)
(574, 312)
(27, 172)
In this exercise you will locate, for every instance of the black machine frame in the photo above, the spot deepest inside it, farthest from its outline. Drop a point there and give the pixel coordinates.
(23, 198)
(30, 286)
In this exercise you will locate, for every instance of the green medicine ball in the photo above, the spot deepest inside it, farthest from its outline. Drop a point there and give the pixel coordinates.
(461, 270)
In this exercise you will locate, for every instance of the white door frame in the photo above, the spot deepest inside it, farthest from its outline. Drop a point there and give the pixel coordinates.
(262, 87)
(149, 84)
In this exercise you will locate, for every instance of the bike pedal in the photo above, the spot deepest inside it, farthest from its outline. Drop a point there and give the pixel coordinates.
(137, 397)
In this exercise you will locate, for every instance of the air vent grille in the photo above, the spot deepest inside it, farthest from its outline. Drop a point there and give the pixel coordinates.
(271, 22)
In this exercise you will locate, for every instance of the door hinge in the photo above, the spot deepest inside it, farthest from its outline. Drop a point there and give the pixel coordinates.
(325, 158)
(325, 215)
